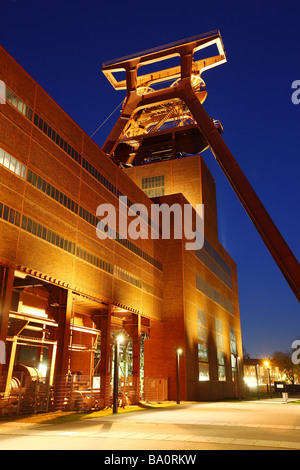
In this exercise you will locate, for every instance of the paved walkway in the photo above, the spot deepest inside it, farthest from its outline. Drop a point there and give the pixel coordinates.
(257, 425)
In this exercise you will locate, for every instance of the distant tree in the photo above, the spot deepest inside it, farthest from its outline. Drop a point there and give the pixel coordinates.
(246, 355)
(286, 367)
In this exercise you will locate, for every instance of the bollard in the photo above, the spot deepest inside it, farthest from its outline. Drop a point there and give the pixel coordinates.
(285, 397)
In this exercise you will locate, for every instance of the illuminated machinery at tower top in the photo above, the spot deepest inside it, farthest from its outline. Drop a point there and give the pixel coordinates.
(141, 132)
(155, 126)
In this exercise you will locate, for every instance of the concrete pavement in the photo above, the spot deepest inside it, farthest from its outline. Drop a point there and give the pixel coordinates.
(259, 425)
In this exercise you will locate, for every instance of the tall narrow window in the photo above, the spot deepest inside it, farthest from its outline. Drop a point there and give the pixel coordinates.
(233, 352)
(203, 364)
(220, 350)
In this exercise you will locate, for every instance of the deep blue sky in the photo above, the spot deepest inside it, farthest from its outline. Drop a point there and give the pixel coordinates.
(62, 45)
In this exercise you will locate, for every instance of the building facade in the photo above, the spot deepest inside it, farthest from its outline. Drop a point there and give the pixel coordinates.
(67, 289)
(201, 303)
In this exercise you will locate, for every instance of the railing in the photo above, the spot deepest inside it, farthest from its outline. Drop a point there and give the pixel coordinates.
(24, 397)
(30, 395)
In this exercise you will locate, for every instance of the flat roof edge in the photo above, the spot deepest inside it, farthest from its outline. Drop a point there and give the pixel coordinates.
(108, 63)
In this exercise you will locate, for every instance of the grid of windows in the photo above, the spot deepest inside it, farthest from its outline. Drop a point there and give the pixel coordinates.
(29, 225)
(213, 294)
(70, 204)
(17, 103)
(135, 281)
(217, 258)
(51, 191)
(153, 182)
(156, 192)
(71, 151)
(152, 289)
(203, 365)
(220, 350)
(214, 267)
(48, 235)
(125, 276)
(91, 258)
(62, 143)
(154, 186)
(10, 215)
(12, 164)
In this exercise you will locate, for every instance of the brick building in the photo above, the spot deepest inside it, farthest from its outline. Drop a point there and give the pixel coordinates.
(65, 293)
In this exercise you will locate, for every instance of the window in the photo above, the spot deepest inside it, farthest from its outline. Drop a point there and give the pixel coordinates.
(10, 215)
(213, 266)
(154, 186)
(208, 290)
(233, 352)
(19, 104)
(203, 366)
(220, 350)
(12, 164)
(53, 135)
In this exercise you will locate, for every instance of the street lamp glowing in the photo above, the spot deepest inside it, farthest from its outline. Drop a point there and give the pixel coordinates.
(266, 364)
(120, 339)
(178, 354)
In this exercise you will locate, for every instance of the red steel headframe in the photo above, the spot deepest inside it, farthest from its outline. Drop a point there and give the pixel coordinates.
(277, 246)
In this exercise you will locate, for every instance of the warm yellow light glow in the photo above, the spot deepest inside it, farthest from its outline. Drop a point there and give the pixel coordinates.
(37, 312)
(43, 369)
(179, 351)
(120, 339)
(250, 381)
(266, 363)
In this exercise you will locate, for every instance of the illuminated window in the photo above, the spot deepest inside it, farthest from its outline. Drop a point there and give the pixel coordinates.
(203, 365)
(154, 186)
(220, 350)
(233, 352)
(19, 104)
(12, 164)
(203, 372)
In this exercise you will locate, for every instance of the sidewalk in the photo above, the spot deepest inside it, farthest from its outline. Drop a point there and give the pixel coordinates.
(265, 424)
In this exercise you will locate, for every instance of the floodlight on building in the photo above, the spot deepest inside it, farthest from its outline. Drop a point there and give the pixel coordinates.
(43, 369)
(36, 312)
(120, 339)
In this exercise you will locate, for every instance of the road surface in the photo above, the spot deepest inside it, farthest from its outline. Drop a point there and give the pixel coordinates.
(260, 425)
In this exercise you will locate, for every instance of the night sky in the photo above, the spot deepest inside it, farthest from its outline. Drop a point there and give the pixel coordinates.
(62, 45)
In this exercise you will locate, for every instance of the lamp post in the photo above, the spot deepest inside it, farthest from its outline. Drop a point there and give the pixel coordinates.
(119, 340)
(257, 381)
(238, 377)
(269, 377)
(178, 354)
